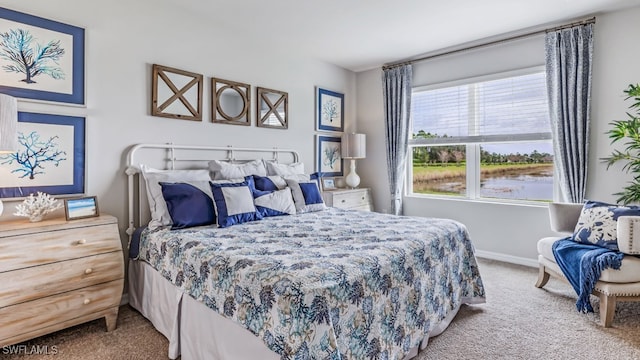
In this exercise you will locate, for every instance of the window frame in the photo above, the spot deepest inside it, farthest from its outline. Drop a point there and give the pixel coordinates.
(472, 175)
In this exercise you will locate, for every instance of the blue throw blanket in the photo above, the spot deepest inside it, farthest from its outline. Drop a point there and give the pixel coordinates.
(582, 265)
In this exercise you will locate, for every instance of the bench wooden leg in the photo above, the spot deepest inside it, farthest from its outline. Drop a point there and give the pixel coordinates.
(543, 276)
(607, 309)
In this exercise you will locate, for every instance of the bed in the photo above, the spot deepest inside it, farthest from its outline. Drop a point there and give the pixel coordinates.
(323, 283)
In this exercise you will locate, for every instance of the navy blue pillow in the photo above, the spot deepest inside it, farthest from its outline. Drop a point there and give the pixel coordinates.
(188, 206)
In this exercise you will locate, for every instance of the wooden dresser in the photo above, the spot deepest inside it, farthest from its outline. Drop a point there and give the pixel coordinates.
(56, 273)
(353, 199)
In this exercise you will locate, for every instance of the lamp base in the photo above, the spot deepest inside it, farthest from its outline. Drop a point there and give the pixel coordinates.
(352, 180)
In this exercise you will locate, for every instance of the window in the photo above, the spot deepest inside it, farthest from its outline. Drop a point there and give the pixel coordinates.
(484, 138)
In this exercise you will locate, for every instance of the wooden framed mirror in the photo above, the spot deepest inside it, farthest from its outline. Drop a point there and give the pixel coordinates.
(273, 108)
(230, 102)
(176, 93)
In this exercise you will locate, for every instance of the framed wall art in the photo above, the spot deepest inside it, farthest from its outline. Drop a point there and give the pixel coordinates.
(41, 59)
(230, 102)
(80, 208)
(272, 109)
(328, 184)
(176, 94)
(50, 157)
(328, 154)
(330, 110)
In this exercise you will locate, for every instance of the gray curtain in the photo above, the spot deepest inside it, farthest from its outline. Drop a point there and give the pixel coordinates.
(396, 86)
(569, 55)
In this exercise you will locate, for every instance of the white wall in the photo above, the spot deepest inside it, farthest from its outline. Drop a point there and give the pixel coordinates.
(508, 231)
(123, 40)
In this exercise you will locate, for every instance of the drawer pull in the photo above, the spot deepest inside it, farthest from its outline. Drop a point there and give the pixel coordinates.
(86, 301)
(344, 200)
(88, 271)
(81, 242)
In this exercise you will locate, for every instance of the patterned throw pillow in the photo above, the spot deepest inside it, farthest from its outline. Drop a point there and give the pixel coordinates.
(275, 203)
(597, 224)
(234, 203)
(269, 183)
(306, 195)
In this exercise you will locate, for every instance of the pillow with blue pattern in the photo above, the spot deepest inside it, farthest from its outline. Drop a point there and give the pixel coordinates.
(269, 183)
(597, 224)
(188, 205)
(234, 203)
(274, 203)
(306, 195)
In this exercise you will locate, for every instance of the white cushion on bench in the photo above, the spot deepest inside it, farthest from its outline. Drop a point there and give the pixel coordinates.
(629, 271)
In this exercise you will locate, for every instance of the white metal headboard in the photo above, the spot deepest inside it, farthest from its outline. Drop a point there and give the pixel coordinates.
(191, 156)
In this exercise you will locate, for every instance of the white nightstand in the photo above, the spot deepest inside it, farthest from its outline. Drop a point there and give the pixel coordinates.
(352, 199)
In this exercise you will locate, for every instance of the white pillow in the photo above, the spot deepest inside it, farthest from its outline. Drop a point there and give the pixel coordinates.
(224, 170)
(274, 168)
(158, 207)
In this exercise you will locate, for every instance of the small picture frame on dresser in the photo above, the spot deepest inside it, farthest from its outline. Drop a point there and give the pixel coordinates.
(80, 208)
(328, 184)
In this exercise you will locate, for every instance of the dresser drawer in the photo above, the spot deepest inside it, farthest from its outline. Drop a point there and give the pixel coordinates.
(48, 311)
(351, 199)
(45, 280)
(22, 251)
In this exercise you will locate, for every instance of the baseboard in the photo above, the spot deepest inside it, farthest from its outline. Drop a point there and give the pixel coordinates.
(507, 258)
(125, 299)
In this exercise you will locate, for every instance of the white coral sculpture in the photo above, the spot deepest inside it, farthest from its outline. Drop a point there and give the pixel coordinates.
(37, 207)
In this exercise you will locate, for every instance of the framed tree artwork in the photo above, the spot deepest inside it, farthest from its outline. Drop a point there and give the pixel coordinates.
(41, 59)
(50, 157)
(328, 155)
(330, 110)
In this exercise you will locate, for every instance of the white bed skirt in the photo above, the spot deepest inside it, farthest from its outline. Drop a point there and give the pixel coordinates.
(196, 332)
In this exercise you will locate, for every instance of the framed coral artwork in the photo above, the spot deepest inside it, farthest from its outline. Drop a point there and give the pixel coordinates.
(41, 59)
(328, 154)
(329, 110)
(50, 157)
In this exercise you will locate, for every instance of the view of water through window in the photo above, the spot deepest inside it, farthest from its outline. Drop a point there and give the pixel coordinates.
(493, 135)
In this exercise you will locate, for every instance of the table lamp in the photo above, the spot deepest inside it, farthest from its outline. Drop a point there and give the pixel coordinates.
(353, 147)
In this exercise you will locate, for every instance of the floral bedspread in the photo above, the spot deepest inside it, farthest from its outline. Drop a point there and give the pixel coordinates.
(333, 284)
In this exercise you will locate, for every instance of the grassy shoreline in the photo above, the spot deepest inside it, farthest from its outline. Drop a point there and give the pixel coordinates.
(453, 171)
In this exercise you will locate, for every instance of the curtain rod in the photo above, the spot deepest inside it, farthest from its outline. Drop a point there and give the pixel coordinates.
(490, 43)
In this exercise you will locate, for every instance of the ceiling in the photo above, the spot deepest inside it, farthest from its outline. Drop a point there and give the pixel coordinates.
(363, 34)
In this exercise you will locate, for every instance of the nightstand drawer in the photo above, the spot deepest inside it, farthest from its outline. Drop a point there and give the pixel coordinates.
(45, 280)
(51, 310)
(46, 247)
(351, 199)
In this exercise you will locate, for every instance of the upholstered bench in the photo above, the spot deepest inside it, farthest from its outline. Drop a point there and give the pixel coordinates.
(613, 285)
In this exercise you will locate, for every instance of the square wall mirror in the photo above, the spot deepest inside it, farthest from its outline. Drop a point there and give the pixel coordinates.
(273, 108)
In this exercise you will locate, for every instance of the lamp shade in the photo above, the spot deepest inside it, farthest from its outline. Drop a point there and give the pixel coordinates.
(354, 146)
(8, 124)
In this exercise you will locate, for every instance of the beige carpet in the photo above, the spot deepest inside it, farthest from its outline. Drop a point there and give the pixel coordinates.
(518, 321)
